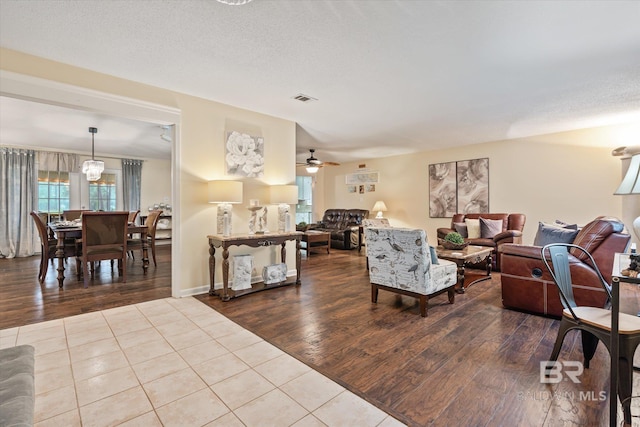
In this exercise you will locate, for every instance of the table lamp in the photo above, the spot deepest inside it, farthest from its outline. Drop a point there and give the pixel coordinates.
(225, 193)
(283, 196)
(380, 207)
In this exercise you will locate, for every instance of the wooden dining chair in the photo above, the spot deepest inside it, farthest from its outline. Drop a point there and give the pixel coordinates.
(133, 215)
(594, 323)
(104, 237)
(48, 244)
(73, 214)
(152, 225)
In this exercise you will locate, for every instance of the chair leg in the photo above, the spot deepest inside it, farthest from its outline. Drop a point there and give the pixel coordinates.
(562, 331)
(589, 345)
(153, 252)
(374, 293)
(85, 272)
(423, 305)
(451, 293)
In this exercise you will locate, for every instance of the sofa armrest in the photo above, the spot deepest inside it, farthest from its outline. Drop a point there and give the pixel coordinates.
(521, 250)
(509, 236)
(443, 231)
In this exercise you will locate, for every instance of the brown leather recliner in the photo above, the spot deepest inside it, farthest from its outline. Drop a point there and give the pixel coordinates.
(528, 286)
(343, 226)
(512, 226)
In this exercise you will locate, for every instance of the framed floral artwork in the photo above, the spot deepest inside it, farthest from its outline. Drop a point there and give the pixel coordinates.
(442, 190)
(244, 155)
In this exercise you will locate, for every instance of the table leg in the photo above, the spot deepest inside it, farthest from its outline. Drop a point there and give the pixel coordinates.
(145, 251)
(615, 351)
(298, 261)
(225, 274)
(461, 265)
(283, 253)
(60, 256)
(212, 269)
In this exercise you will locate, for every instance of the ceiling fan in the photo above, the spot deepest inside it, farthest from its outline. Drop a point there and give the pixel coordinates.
(313, 164)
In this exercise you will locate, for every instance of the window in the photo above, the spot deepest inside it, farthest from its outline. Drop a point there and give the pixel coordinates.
(53, 191)
(304, 208)
(102, 193)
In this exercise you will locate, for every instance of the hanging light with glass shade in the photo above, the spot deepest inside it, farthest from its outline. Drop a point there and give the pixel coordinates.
(93, 168)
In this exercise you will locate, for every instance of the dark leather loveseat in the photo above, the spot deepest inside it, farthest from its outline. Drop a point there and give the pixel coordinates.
(512, 226)
(343, 225)
(528, 286)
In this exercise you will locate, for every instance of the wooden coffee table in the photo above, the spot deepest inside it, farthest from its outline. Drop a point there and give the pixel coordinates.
(463, 257)
(315, 239)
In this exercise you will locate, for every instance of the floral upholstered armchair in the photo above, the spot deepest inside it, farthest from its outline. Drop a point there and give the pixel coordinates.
(401, 261)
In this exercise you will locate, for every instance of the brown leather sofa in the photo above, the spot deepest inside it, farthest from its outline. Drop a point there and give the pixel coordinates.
(512, 226)
(343, 225)
(528, 286)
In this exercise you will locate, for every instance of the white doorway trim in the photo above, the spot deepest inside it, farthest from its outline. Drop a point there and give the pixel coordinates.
(50, 92)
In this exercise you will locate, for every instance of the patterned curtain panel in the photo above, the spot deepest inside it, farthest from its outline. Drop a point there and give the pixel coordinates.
(18, 178)
(132, 183)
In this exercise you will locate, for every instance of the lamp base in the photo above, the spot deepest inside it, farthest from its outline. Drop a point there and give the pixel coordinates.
(379, 215)
(222, 209)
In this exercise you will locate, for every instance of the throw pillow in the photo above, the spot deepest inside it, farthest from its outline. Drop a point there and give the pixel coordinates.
(461, 229)
(549, 233)
(434, 255)
(490, 227)
(473, 228)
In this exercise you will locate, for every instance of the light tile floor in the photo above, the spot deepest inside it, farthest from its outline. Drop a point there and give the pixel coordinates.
(176, 362)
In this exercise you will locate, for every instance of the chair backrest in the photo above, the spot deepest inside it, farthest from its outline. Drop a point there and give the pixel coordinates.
(561, 256)
(513, 221)
(152, 223)
(41, 225)
(133, 215)
(70, 215)
(375, 222)
(398, 257)
(104, 235)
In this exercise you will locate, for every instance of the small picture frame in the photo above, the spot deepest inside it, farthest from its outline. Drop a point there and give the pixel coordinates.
(370, 188)
(352, 189)
(361, 189)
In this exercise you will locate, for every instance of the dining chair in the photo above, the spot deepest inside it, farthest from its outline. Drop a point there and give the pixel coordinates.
(104, 237)
(133, 215)
(593, 322)
(73, 214)
(152, 225)
(48, 244)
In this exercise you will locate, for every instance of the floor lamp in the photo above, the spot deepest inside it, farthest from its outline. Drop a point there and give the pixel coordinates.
(631, 185)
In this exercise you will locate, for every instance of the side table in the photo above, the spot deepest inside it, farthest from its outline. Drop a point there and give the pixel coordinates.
(254, 241)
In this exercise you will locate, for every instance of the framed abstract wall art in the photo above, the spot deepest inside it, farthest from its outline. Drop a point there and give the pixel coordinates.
(458, 187)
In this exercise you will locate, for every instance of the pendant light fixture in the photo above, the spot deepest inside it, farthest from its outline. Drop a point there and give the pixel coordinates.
(93, 168)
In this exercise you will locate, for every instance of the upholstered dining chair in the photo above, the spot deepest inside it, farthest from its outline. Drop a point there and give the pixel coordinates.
(48, 244)
(593, 322)
(400, 261)
(152, 225)
(73, 214)
(104, 236)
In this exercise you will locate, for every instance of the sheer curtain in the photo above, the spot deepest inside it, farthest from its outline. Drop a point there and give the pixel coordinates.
(18, 178)
(132, 183)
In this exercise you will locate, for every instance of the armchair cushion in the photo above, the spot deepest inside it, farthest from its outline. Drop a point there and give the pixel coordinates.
(549, 233)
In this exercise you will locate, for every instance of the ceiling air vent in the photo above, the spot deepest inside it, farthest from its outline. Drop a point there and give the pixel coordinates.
(304, 98)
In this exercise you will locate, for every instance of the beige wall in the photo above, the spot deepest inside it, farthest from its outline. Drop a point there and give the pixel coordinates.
(156, 183)
(545, 177)
(201, 151)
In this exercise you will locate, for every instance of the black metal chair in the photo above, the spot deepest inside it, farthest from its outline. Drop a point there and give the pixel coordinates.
(593, 322)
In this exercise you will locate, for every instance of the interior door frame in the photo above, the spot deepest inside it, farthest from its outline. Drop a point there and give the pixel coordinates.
(50, 92)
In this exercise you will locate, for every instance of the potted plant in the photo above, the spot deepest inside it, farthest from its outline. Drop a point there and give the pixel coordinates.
(453, 240)
(301, 226)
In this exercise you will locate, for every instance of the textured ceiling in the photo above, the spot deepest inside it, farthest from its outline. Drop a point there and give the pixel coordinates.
(391, 77)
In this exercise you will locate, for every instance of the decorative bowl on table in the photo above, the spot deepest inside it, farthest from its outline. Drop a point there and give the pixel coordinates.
(452, 246)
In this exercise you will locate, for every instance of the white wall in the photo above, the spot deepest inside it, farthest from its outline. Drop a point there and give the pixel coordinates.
(545, 177)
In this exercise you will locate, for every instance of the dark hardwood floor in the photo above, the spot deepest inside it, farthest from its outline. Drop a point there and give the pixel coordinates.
(23, 300)
(472, 363)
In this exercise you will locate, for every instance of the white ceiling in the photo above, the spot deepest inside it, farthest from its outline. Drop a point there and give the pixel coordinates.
(391, 77)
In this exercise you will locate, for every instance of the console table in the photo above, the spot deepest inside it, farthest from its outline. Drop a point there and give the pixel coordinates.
(254, 241)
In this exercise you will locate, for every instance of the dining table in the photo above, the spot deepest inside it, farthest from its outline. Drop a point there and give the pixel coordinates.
(73, 229)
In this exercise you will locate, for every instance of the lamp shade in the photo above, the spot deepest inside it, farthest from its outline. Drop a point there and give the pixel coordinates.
(379, 206)
(225, 192)
(631, 182)
(287, 194)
